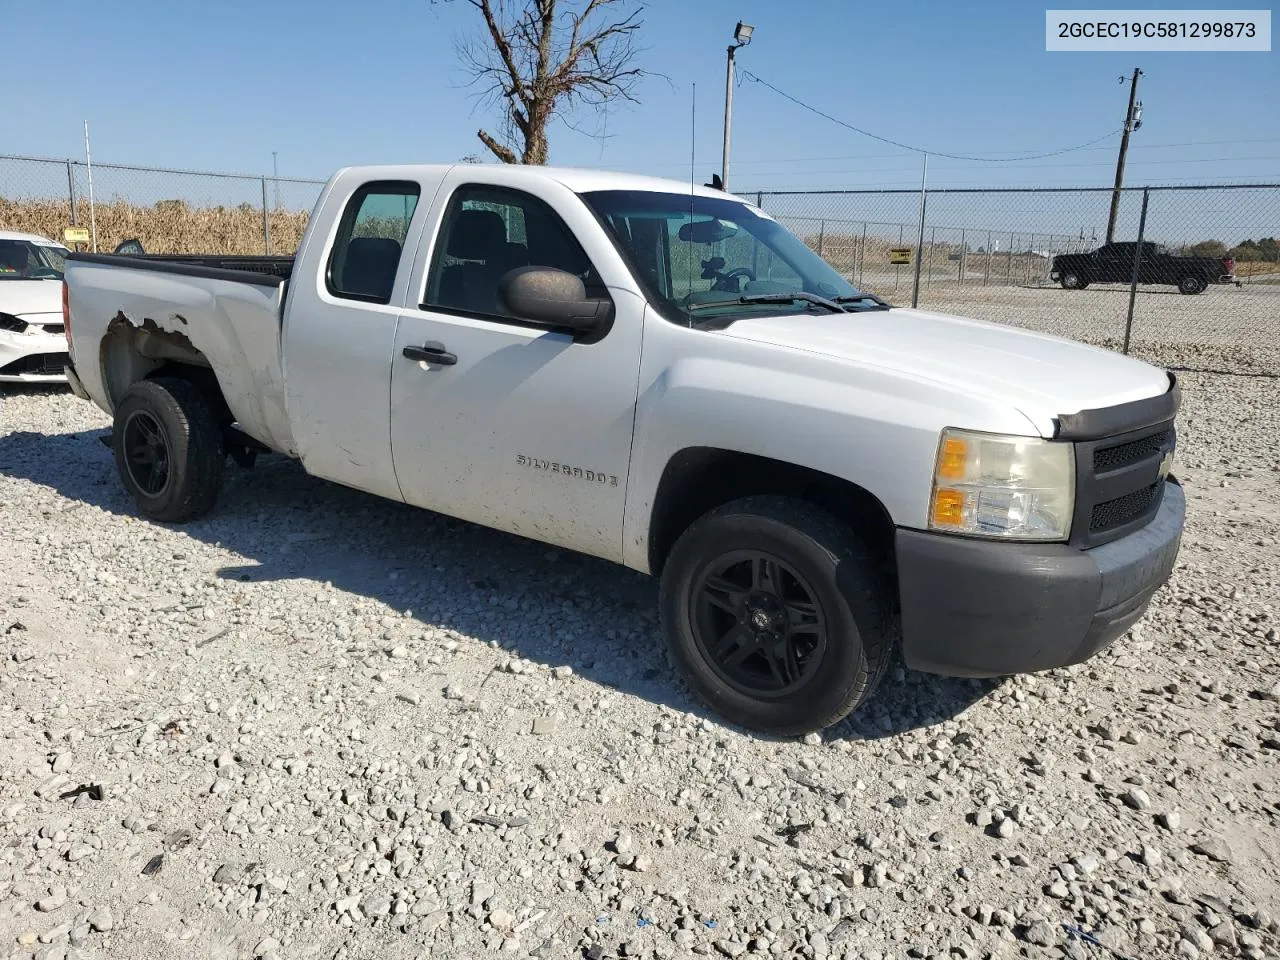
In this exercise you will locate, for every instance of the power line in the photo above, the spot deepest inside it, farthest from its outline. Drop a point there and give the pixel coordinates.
(912, 187)
(1208, 143)
(891, 156)
(862, 170)
(1137, 148)
(1047, 166)
(906, 146)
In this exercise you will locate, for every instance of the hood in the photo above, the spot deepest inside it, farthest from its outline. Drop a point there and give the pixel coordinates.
(24, 297)
(1041, 376)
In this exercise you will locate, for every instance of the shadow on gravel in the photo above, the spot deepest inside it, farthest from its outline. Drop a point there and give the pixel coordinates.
(1143, 289)
(1217, 371)
(545, 604)
(32, 389)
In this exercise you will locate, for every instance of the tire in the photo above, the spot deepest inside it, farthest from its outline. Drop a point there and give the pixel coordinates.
(1191, 285)
(1073, 281)
(168, 448)
(715, 592)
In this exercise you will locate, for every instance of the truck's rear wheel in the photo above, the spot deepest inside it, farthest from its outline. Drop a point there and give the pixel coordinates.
(168, 448)
(1191, 284)
(778, 615)
(1073, 281)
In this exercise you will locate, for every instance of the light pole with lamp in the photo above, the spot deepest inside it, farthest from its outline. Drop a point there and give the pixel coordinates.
(742, 36)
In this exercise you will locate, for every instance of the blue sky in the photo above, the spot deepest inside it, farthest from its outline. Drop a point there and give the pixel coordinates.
(219, 86)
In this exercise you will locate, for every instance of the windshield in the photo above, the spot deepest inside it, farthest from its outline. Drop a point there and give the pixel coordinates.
(27, 260)
(699, 256)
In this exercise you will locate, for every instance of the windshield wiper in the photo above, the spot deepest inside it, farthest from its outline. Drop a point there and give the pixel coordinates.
(860, 297)
(798, 295)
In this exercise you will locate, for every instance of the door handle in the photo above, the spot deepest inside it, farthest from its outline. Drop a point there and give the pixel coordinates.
(432, 351)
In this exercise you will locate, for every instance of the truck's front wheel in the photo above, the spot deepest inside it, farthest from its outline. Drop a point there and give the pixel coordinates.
(777, 614)
(1073, 281)
(168, 448)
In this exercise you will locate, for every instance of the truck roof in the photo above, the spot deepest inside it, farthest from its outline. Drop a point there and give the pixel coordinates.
(577, 179)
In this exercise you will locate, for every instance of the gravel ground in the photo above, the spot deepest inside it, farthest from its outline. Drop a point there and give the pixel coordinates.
(317, 724)
(1224, 329)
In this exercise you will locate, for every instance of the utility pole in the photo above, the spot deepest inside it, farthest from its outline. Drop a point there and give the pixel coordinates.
(915, 284)
(1129, 127)
(742, 36)
(93, 215)
(275, 176)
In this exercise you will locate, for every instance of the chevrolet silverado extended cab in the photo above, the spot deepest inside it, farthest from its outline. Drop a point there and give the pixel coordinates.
(662, 376)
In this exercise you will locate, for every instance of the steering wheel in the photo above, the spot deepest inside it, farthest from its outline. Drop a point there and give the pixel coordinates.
(728, 281)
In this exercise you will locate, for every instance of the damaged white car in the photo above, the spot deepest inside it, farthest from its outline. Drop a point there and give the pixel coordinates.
(33, 348)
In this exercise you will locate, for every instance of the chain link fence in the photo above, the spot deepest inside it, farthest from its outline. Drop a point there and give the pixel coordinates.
(1032, 257)
(1038, 258)
(169, 211)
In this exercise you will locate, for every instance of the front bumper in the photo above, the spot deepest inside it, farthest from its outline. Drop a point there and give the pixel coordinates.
(979, 608)
(32, 358)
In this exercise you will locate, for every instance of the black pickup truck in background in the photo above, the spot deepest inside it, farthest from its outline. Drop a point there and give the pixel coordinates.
(1113, 263)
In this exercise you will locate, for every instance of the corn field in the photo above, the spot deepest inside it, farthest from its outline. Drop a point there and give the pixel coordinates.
(168, 226)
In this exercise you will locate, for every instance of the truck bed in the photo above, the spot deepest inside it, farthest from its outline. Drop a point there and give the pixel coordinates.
(281, 267)
(187, 309)
(271, 271)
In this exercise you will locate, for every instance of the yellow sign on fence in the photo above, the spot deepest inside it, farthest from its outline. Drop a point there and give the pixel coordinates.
(899, 254)
(75, 235)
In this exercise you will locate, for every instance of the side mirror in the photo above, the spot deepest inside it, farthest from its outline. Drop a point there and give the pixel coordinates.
(553, 298)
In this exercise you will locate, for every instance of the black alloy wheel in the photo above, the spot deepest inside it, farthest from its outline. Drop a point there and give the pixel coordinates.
(168, 446)
(780, 616)
(146, 453)
(758, 624)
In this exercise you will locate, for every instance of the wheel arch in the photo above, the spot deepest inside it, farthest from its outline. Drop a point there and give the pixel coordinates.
(129, 353)
(699, 479)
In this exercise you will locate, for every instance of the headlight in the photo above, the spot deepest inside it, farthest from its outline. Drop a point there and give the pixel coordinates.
(988, 485)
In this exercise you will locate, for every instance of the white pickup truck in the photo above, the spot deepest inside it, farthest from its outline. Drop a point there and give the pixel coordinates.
(665, 377)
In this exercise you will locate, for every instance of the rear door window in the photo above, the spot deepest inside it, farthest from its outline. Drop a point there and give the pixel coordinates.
(366, 251)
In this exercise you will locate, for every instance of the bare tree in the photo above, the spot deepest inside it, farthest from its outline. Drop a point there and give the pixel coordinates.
(538, 58)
